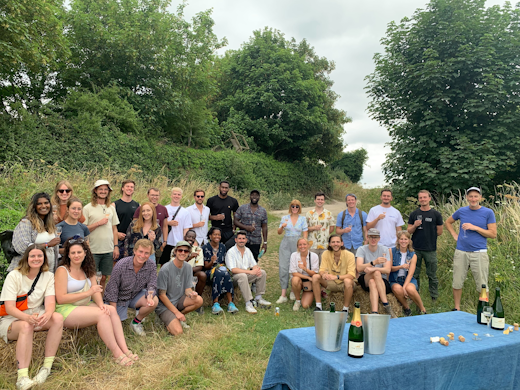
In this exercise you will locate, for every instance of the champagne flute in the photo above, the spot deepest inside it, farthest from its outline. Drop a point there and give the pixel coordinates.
(488, 313)
(419, 218)
(59, 230)
(150, 291)
(464, 230)
(99, 275)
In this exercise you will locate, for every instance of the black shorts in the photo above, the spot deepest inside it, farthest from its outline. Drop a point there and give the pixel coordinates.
(361, 281)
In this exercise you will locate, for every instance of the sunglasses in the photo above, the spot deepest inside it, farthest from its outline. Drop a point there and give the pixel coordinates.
(199, 196)
(295, 206)
(76, 240)
(183, 250)
(66, 191)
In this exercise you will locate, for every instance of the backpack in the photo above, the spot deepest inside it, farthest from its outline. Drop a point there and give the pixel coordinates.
(6, 238)
(345, 214)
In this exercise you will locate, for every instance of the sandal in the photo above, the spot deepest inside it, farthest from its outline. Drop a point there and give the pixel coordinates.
(132, 355)
(124, 361)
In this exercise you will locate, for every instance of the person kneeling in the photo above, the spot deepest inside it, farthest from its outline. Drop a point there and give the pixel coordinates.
(402, 282)
(374, 266)
(132, 285)
(337, 272)
(241, 262)
(176, 296)
(75, 287)
(304, 264)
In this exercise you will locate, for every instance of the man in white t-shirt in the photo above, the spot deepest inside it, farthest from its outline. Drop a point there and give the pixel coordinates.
(180, 222)
(199, 216)
(386, 219)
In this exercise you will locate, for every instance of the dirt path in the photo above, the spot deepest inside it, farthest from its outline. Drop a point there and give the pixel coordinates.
(333, 206)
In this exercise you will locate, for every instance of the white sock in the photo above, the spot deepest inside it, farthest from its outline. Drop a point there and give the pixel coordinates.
(258, 297)
(345, 308)
(318, 304)
(298, 300)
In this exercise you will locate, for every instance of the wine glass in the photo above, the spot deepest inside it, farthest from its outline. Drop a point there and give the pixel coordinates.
(350, 227)
(99, 275)
(150, 292)
(464, 230)
(408, 261)
(488, 313)
(59, 230)
(419, 218)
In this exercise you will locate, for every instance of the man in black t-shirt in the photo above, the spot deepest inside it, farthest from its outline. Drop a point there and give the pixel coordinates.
(425, 225)
(125, 208)
(221, 212)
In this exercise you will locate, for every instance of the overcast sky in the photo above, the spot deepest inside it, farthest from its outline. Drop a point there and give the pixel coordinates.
(344, 31)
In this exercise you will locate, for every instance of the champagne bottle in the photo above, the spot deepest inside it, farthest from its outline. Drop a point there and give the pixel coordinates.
(483, 301)
(356, 345)
(498, 321)
(332, 307)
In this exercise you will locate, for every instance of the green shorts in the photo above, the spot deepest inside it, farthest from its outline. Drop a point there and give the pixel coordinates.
(104, 262)
(65, 309)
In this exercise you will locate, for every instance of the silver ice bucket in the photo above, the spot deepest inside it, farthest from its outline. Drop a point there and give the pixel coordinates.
(375, 330)
(329, 329)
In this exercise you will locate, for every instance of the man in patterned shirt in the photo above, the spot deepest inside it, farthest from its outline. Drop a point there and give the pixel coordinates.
(321, 225)
(132, 279)
(252, 218)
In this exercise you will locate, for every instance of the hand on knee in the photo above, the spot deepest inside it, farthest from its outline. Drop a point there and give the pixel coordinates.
(376, 274)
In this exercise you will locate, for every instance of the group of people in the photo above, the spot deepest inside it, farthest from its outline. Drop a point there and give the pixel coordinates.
(78, 266)
(373, 250)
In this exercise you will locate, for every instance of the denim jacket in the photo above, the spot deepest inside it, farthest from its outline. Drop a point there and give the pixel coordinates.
(396, 257)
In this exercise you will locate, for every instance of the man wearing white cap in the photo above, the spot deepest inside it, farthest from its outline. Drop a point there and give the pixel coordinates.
(101, 219)
(477, 224)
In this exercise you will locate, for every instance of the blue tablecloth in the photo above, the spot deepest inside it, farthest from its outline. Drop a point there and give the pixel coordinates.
(409, 362)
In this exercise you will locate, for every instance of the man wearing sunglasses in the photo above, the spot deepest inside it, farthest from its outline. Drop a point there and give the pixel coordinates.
(175, 290)
(199, 216)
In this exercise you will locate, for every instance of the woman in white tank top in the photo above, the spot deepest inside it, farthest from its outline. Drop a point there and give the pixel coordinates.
(75, 287)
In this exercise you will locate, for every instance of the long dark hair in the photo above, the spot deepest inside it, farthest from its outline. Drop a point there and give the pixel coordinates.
(38, 224)
(329, 248)
(88, 265)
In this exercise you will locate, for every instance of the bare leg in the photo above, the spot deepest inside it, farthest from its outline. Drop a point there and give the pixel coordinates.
(284, 292)
(457, 294)
(191, 304)
(296, 286)
(229, 297)
(381, 288)
(398, 291)
(23, 332)
(175, 327)
(307, 298)
(317, 282)
(374, 295)
(55, 330)
(412, 293)
(144, 309)
(349, 290)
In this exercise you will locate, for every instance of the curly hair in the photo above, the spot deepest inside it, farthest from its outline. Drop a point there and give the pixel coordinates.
(88, 265)
(23, 265)
(40, 225)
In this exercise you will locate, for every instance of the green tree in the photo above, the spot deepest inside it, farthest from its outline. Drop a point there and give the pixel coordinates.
(446, 88)
(352, 164)
(282, 91)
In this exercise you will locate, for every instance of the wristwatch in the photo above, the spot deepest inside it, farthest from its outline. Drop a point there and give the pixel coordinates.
(337, 276)
(371, 263)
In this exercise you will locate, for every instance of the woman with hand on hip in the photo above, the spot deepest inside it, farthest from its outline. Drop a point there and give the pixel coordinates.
(76, 287)
(295, 226)
(31, 277)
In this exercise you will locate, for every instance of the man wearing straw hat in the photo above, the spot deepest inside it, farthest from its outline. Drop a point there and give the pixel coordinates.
(477, 224)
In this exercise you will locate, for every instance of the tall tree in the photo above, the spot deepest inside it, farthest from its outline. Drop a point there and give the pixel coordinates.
(281, 91)
(447, 89)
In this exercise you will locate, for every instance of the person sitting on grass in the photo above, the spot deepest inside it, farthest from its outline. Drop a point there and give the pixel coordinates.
(337, 272)
(217, 275)
(76, 285)
(241, 262)
(132, 285)
(176, 295)
(31, 277)
(196, 260)
(374, 263)
(402, 282)
(304, 264)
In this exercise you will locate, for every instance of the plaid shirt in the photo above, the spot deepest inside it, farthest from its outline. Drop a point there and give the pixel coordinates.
(125, 283)
(245, 215)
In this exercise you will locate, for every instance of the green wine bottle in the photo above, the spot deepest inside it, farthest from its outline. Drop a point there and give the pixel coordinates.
(498, 321)
(332, 307)
(356, 345)
(483, 301)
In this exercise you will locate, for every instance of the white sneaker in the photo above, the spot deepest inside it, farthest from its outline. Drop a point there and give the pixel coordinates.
(138, 328)
(282, 300)
(25, 383)
(263, 302)
(250, 309)
(296, 305)
(184, 325)
(42, 375)
(292, 296)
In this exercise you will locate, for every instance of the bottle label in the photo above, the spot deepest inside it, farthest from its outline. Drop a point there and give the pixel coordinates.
(357, 324)
(499, 323)
(483, 318)
(486, 299)
(356, 348)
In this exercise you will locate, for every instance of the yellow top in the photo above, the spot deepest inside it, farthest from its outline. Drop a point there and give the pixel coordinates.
(346, 265)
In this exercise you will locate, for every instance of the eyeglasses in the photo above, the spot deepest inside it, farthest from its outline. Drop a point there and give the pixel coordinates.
(62, 191)
(199, 196)
(183, 250)
(295, 206)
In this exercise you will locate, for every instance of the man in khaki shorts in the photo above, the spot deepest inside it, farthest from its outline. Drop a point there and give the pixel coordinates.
(337, 272)
(477, 224)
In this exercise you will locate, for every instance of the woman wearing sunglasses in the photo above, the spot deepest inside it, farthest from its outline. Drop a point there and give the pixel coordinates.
(81, 304)
(71, 227)
(62, 194)
(37, 227)
(295, 227)
(35, 313)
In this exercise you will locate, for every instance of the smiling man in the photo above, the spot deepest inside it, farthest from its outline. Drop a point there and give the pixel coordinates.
(386, 218)
(252, 218)
(125, 208)
(222, 209)
(321, 225)
(129, 286)
(477, 224)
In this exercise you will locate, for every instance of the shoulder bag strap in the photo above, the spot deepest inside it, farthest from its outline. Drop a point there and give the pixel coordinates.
(34, 283)
(361, 217)
(343, 219)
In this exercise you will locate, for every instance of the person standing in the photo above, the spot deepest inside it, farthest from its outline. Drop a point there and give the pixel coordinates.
(320, 223)
(252, 218)
(352, 225)
(101, 219)
(425, 225)
(385, 218)
(180, 222)
(199, 216)
(125, 209)
(62, 193)
(222, 208)
(477, 224)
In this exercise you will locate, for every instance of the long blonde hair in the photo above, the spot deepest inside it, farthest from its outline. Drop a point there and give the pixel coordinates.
(139, 223)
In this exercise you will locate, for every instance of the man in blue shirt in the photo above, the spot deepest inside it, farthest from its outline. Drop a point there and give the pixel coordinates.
(352, 225)
(477, 224)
